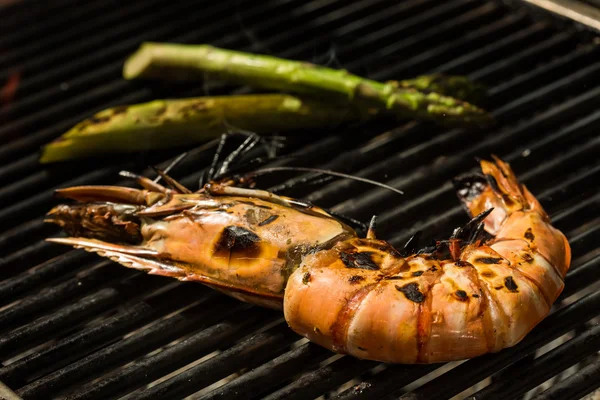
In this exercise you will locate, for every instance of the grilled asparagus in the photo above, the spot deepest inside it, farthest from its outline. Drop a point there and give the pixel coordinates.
(187, 62)
(168, 123)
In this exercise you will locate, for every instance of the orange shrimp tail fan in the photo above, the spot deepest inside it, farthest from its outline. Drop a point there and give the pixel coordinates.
(498, 188)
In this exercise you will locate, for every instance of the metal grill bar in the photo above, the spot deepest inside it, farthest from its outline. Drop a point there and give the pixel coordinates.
(16, 16)
(575, 386)
(140, 343)
(269, 375)
(219, 336)
(553, 362)
(15, 286)
(78, 26)
(324, 379)
(72, 347)
(35, 304)
(71, 316)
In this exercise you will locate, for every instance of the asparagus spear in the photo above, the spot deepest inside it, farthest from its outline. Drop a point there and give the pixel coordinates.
(185, 62)
(168, 123)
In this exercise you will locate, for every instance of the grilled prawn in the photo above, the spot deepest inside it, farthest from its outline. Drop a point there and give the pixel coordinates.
(473, 294)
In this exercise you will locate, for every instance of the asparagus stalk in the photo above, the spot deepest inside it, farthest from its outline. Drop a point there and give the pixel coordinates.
(168, 123)
(186, 62)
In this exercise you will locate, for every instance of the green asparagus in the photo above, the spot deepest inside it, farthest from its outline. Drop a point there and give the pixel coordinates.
(168, 123)
(186, 62)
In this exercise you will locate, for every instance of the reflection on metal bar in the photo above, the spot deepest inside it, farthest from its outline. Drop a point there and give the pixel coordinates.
(7, 394)
(572, 9)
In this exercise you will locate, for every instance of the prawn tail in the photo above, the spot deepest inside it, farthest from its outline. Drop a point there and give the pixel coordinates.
(496, 187)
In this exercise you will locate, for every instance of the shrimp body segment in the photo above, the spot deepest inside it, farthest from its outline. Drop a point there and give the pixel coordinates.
(352, 295)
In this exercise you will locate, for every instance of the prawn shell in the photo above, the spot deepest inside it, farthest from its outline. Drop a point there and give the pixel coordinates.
(317, 295)
(532, 265)
(458, 311)
(520, 304)
(394, 321)
(541, 236)
(249, 243)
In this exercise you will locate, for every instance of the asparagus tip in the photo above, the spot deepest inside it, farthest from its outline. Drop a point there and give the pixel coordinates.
(138, 62)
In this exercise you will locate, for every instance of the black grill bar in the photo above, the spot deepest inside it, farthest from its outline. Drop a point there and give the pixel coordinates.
(157, 335)
(575, 386)
(202, 343)
(324, 379)
(45, 272)
(254, 351)
(19, 313)
(28, 257)
(70, 316)
(18, 18)
(269, 375)
(72, 347)
(552, 362)
(132, 330)
(76, 27)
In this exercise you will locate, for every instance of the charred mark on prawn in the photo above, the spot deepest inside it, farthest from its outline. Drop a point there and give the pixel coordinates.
(356, 278)
(529, 235)
(527, 257)
(461, 295)
(488, 274)
(268, 220)
(417, 273)
(405, 267)
(489, 260)
(411, 292)
(306, 278)
(493, 183)
(239, 241)
(510, 284)
(461, 263)
(360, 260)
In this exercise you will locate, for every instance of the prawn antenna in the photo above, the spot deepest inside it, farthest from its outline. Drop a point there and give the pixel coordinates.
(172, 182)
(372, 226)
(265, 171)
(173, 163)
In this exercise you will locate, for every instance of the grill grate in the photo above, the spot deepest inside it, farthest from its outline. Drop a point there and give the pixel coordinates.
(76, 327)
